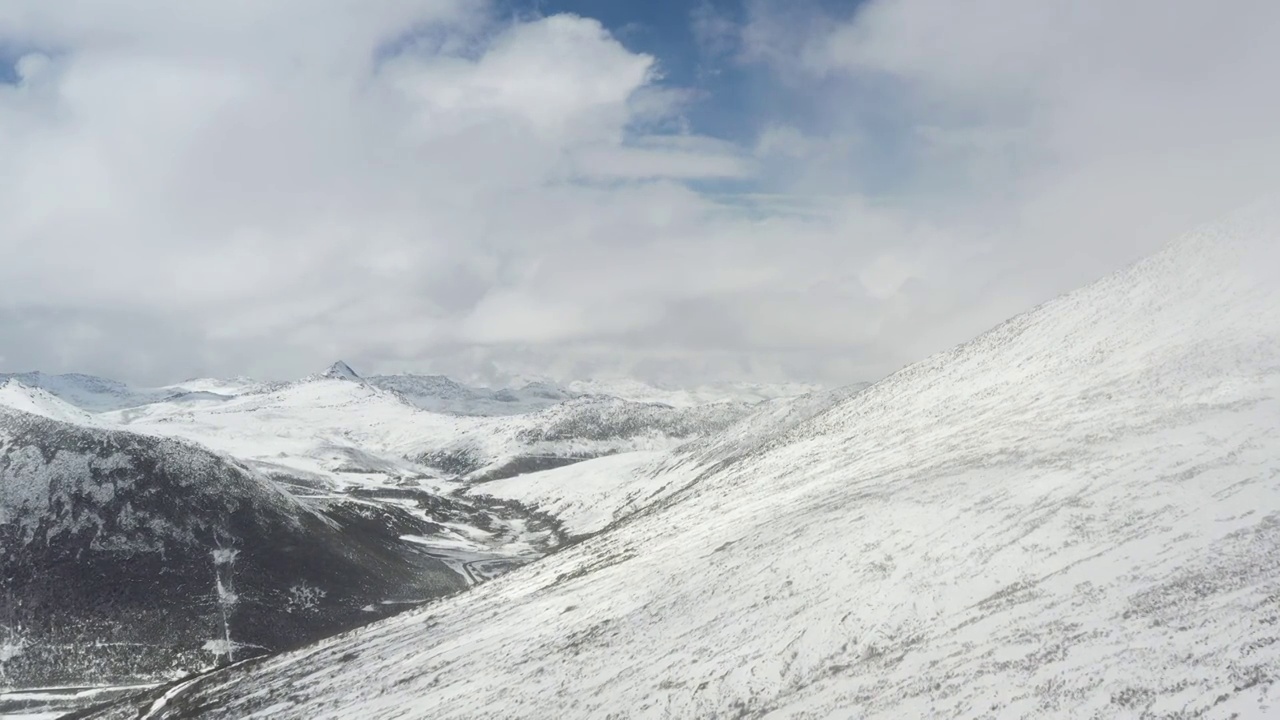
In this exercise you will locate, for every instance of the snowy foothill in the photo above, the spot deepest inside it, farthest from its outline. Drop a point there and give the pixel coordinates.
(587, 496)
(1075, 514)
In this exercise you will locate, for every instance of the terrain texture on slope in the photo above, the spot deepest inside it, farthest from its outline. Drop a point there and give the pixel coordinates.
(1076, 514)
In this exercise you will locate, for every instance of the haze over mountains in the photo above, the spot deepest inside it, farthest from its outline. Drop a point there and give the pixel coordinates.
(1073, 515)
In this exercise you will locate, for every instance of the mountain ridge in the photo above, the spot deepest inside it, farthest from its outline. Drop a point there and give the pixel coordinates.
(1075, 513)
(434, 393)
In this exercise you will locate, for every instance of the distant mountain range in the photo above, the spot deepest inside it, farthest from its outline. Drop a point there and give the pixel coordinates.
(154, 531)
(435, 393)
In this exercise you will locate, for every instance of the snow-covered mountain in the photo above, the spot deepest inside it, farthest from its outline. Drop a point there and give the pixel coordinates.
(434, 393)
(107, 490)
(587, 497)
(24, 398)
(338, 423)
(572, 431)
(439, 394)
(339, 371)
(346, 429)
(88, 392)
(128, 557)
(1074, 515)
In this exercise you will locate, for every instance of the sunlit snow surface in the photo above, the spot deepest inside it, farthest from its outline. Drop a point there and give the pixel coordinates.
(585, 497)
(1077, 514)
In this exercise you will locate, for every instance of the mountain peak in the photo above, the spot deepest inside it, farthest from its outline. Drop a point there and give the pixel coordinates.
(340, 371)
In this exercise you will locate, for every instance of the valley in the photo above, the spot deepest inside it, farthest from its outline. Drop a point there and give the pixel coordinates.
(152, 534)
(1074, 514)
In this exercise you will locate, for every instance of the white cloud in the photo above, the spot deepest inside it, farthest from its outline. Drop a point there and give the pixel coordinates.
(1055, 140)
(228, 187)
(301, 189)
(559, 75)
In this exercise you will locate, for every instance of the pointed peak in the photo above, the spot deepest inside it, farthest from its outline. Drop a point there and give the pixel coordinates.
(340, 371)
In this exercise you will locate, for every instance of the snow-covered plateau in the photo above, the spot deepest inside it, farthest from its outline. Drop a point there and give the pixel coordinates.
(1077, 514)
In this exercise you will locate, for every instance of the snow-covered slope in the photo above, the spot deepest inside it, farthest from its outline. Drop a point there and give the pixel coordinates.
(321, 428)
(576, 430)
(220, 386)
(1075, 515)
(767, 421)
(88, 392)
(336, 425)
(127, 557)
(332, 484)
(16, 396)
(352, 431)
(585, 497)
(440, 394)
(588, 496)
(728, 392)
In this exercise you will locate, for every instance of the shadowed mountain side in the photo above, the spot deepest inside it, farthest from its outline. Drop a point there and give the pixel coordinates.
(123, 552)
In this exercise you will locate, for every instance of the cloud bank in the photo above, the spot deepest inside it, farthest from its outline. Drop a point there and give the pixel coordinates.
(236, 187)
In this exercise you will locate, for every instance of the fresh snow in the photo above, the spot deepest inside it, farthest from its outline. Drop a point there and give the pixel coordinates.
(728, 392)
(355, 433)
(588, 496)
(93, 394)
(340, 371)
(1077, 514)
(17, 396)
(340, 429)
(585, 496)
(439, 394)
(332, 445)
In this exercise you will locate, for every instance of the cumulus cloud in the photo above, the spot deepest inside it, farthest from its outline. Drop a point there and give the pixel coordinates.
(237, 187)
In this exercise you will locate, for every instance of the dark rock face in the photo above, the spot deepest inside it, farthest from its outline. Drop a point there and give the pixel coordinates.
(125, 557)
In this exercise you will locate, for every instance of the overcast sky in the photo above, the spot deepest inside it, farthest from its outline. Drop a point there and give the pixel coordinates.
(769, 189)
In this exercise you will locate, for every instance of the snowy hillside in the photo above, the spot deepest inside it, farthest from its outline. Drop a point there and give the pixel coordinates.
(437, 393)
(1077, 514)
(351, 484)
(576, 430)
(433, 393)
(588, 496)
(128, 557)
(338, 426)
(87, 392)
(741, 392)
(16, 396)
(347, 430)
